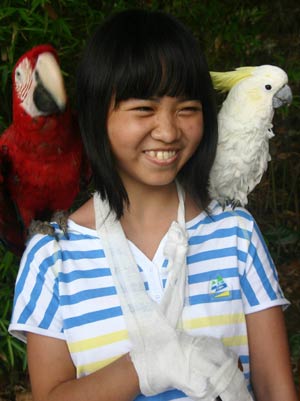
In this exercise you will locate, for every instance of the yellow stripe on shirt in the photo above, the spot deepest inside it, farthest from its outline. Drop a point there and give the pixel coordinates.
(234, 341)
(92, 367)
(98, 341)
(219, 320)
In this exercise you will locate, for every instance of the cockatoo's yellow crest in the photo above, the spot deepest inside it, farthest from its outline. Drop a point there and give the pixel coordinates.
(224, 81)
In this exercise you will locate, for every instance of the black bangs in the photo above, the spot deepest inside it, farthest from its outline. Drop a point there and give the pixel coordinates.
(142, 54)
(155, 78)
(153, 60)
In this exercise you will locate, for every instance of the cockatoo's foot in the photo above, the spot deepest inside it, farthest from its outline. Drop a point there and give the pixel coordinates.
(45, 228)
(235, 203)
(224, 202)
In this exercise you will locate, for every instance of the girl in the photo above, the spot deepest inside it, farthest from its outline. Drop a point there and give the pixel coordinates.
(148, 121)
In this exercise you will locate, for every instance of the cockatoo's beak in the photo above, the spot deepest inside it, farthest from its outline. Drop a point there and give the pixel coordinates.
(282, 97)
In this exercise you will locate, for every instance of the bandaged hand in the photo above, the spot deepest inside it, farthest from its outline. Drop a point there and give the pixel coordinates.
(165, 358)
(210, 359)
(201, 367)
(161, 362)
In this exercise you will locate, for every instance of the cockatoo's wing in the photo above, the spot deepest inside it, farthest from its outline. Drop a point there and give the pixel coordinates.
(244, 128)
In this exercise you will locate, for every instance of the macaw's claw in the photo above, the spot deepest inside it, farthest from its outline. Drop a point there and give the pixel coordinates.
(61, 218)
(40, 227)
(45, 228)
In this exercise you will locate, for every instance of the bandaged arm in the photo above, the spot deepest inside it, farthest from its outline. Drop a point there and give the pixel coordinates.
(202, 367)
(163, 357)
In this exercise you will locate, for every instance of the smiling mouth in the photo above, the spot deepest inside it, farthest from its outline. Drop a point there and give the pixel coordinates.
(161, 154)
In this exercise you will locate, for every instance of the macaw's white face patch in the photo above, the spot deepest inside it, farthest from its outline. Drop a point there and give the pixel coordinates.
(23, 79)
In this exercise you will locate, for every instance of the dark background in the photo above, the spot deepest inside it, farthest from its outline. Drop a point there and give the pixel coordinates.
(233, 33)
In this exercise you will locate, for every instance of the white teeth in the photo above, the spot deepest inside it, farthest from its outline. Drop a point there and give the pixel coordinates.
(162, 155)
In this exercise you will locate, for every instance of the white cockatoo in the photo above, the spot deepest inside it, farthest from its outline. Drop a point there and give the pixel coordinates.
(245, 127)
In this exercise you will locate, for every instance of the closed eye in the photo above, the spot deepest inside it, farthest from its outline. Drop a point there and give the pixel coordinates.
(145, 109)
(190, 110)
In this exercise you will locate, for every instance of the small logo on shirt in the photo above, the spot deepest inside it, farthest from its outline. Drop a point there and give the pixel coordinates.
(218, 288)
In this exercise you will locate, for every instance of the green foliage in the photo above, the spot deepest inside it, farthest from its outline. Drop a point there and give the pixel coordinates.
(295, 352)
(12, 352)
(233, 33)
(25, 24)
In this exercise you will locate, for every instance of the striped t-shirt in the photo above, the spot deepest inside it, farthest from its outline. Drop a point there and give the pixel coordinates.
(65, 289)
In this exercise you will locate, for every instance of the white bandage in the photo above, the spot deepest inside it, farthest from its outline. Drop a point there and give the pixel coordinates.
(163, 357)
(201, 367)
(208, 359)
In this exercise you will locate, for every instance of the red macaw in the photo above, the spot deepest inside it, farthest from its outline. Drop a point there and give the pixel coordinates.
(42, 160)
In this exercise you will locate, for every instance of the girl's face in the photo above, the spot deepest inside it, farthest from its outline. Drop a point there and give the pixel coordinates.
(152, 139)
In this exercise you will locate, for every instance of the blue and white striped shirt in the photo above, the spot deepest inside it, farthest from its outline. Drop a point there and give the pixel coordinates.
(65, 289)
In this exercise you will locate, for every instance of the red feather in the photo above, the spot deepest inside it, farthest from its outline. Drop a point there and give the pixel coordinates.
(43, 161)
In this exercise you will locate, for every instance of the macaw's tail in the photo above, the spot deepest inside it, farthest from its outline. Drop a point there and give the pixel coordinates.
(12, 230)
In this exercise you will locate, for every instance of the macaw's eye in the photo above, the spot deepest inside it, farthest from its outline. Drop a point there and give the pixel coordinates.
(268, 87)
(37, 76)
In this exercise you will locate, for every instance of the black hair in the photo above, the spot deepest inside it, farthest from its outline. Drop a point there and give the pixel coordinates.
(141, 54)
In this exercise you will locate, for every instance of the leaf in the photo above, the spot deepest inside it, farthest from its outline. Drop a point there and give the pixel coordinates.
(282, 235)
(10, 351)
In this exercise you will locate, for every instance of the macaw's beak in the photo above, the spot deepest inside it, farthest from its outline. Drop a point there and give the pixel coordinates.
(49, 94)
(282, 97)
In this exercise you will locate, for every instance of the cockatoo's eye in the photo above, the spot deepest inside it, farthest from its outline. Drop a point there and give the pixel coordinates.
(268, 87)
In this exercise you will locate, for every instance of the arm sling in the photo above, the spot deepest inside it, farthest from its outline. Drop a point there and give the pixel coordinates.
(150, 324)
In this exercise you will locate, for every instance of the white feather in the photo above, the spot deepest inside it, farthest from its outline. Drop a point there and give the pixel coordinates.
(245, 127)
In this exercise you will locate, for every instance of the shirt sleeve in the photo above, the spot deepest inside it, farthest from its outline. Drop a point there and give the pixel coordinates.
(260, 285)
(36, 306)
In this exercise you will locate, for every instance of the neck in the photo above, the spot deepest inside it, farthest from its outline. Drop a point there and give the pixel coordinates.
(151, 203)
(149, 216)
(147, 201)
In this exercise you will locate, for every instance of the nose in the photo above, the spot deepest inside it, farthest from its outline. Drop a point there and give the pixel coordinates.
(166, 128)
